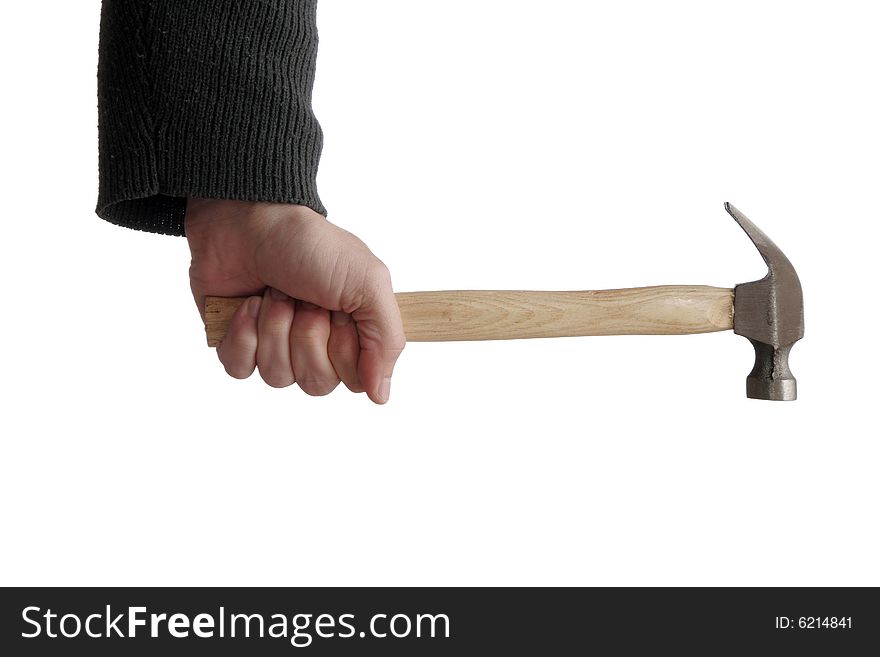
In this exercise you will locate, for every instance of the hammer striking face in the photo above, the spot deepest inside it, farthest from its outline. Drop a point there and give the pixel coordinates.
(769, 312)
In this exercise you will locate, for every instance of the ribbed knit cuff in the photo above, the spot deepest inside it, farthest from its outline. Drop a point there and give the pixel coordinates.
(205, 99)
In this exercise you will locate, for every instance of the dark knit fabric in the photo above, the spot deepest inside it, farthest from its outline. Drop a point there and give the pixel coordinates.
(206, 99)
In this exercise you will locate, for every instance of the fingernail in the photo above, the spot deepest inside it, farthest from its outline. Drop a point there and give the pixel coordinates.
(277, 295)
(385, 390)
(338, 318)
(253, 308)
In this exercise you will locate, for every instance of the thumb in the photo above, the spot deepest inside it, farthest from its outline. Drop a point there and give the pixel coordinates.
(381, 338)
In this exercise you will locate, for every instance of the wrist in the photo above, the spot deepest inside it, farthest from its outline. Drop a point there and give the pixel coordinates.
(274, 229)
(247, 223)
(226, 236)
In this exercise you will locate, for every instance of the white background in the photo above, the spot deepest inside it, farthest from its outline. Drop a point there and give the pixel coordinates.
(471, 144)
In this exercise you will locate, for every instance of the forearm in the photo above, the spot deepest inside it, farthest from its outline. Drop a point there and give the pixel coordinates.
(205, 99)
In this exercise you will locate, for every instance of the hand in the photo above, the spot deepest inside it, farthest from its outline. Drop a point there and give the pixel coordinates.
(321, 308)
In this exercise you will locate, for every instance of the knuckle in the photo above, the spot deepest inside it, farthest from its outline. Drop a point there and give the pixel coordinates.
(237, 371)
(277, 319)
(380, 273)
(311, 328)
(275, 377)
(311, 335)
(346, 351)
(317, 387)
(274, 326)
(376, 283)
(234, 363)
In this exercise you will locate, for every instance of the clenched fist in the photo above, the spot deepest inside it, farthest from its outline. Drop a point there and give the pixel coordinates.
(321, 307)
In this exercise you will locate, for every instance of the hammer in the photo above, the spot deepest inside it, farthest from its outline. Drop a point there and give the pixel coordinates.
(769, 312)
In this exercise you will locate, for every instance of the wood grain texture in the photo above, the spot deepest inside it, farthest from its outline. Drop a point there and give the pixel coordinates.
(505, 315)
(218, 314)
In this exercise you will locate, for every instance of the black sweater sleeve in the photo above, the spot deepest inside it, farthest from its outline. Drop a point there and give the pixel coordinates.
(205, 99)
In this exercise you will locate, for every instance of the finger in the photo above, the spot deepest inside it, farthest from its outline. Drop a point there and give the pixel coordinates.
(309, 337)
(238, 350)
(380, 333)
(343, 349)
(273, 350)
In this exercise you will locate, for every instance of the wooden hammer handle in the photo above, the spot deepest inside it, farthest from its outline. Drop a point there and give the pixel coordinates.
(502, 315)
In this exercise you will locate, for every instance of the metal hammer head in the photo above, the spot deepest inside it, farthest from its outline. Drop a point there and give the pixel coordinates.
(770, 313)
